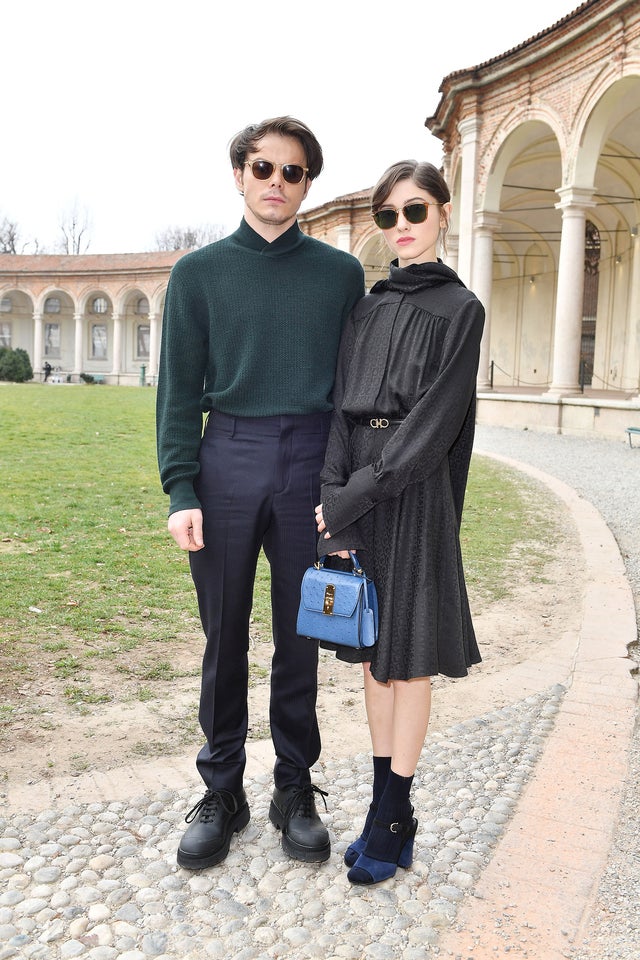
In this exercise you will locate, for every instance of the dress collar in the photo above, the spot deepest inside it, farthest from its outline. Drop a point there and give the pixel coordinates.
(416, 277)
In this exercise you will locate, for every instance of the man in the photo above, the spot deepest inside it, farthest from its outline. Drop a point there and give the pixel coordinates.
(250, 337)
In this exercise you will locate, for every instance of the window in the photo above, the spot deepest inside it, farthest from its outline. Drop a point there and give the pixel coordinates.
(142, 307)
(5, 335)
(6, 306)
(142, 341)
(52, 339)
(99, 305)
(52, 305)
(99, 341)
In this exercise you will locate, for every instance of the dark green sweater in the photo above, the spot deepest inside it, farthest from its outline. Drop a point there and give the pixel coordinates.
(251, 329)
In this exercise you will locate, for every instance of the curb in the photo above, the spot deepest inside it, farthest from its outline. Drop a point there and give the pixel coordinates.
(535, 896)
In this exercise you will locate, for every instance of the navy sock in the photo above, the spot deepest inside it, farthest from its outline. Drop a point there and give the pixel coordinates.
(394, 803)
(381, 768)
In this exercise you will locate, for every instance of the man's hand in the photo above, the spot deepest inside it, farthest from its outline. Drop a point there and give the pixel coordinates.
(185, 526)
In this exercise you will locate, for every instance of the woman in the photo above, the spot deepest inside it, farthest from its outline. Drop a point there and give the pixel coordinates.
(393, 487)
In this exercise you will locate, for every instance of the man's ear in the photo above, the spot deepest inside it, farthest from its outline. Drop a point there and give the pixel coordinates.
(307, 187)
(238, 176)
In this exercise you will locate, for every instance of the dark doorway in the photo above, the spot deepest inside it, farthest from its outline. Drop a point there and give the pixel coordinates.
(590, 302)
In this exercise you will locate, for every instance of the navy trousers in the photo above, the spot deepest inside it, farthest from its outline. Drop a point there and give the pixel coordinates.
(258, 485)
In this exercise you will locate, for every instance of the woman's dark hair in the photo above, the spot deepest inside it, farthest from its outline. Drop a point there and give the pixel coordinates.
(247, 140)
(424, 175)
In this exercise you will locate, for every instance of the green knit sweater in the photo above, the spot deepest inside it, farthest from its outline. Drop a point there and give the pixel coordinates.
(251, 329)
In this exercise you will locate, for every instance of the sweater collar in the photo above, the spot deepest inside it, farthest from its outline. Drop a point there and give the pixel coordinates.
(247, 237)
(417, 276)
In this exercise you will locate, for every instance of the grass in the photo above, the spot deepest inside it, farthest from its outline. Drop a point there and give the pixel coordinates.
(92, 584)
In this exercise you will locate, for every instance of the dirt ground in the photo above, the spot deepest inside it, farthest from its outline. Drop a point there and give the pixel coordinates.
(49, 737)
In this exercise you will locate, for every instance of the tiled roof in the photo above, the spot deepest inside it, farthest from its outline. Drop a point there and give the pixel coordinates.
(89, 263)
(343, 201)
(521, 46)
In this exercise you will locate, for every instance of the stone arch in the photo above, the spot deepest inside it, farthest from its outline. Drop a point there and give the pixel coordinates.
(612, 104)
(157, 298)
(516, 139)
(88, 294)
(57, 329)
(16, 321)
(373, 254)
(53, 291)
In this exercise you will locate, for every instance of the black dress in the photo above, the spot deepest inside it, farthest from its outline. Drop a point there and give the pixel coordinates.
(409, 353)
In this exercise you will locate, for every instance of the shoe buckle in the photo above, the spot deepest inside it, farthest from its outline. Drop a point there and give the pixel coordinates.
(395, 827)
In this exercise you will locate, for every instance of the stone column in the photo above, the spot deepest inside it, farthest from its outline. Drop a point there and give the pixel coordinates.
(37, 342)
(78, 319)
(451, 258)
(154, 347)
(482, 286)
(117, 345)
(632, 347)
(574, 203)
(469, 134)
(343, 237)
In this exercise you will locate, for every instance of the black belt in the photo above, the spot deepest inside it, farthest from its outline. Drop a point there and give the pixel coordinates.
(375, 423)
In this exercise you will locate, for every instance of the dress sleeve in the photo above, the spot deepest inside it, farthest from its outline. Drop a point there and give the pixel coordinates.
(424, 438)
(336, 470)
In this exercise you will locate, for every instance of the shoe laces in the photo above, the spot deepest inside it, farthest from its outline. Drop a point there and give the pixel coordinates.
(302, 800)
(208, 805)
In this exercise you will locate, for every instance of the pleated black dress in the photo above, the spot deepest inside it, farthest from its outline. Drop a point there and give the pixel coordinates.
(409, 353)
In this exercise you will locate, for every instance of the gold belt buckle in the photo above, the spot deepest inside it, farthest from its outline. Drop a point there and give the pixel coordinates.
(378, 423)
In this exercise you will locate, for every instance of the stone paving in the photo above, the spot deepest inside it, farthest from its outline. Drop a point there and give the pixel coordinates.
(510, 846)
(99, 880)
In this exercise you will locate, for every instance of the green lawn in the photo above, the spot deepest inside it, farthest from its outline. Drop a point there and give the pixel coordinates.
(91, 579)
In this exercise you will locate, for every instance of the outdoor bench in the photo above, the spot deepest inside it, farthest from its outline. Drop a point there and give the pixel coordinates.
(630, 432)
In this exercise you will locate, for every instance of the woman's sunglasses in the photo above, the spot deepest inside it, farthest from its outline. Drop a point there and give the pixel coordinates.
(263, 169)
(413, 213)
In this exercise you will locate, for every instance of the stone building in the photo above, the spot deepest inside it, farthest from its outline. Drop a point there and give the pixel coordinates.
(542, 152)
(541, 148)
(97, 315)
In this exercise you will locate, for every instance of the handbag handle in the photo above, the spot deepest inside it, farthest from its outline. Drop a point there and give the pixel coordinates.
(357, 572)
(319, 564)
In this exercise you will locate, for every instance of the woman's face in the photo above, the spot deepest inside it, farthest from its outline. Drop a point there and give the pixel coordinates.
(414, 242)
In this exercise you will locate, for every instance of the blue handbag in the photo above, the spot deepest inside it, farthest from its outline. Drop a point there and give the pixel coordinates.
(340, 606)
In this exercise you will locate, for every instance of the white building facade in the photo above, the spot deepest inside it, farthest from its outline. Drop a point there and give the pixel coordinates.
(91, 315)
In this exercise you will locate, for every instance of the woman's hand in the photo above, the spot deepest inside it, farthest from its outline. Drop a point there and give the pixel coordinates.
(320, 522)
(344, 554)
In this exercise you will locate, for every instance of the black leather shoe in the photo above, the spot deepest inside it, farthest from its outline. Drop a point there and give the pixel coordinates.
(304, 835)
(212, 823)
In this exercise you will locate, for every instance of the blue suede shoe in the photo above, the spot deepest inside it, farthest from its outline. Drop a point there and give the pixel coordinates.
(355, 849)
(393, 842)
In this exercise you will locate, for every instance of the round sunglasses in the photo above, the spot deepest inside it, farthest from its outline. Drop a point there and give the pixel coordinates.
(263, 169)
(414, 212)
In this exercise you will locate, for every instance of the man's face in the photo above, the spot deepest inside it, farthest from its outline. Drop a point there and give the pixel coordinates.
(273, 203)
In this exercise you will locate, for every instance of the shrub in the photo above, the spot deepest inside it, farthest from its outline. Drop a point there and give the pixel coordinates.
(15, 365)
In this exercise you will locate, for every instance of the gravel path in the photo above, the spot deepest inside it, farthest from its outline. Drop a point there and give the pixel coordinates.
(99, 880)
(607, 473)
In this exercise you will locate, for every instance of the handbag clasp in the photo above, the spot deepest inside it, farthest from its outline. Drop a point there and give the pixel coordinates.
(378, 423)
(329, 597)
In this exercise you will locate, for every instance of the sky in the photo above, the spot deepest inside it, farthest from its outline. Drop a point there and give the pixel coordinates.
(124, 110)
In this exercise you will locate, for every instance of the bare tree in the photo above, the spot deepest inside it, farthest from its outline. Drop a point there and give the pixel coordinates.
(74, 227)
(9, 236)
(188, 238)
